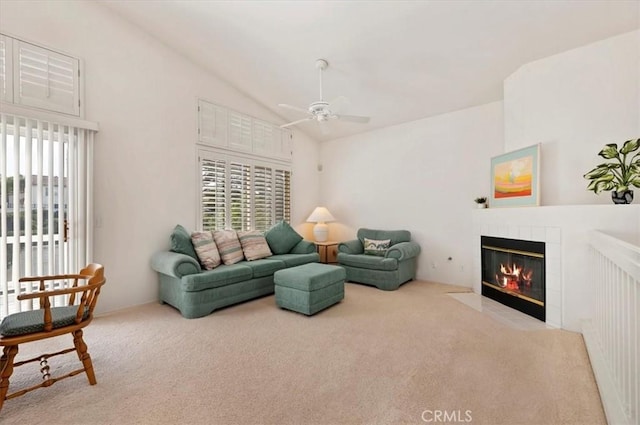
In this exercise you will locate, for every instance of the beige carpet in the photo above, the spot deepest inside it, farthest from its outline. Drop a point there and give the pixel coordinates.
(376, 358)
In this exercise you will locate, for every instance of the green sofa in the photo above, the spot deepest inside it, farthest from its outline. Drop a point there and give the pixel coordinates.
(387, 271)
(196, 292)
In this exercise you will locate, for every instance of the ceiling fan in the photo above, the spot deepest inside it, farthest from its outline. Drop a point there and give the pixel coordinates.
(322, 111)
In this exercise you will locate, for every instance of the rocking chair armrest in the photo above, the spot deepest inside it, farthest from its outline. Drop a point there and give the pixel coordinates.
(43, 279)
(55, 292)
(54, 277)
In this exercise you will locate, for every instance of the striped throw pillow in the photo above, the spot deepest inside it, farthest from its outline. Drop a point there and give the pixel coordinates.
(206, 249)
(254, 245)
(228, 246)
(376, 247)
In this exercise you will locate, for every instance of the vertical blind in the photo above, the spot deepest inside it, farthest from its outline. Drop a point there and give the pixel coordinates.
(45, 202)
(242, 193)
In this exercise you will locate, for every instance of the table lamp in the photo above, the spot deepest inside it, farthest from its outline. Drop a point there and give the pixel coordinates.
(320, 216)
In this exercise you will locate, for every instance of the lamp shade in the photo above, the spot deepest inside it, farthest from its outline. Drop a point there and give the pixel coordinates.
(320, 216)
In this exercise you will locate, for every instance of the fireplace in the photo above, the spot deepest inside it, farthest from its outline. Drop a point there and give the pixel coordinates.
(513, 273)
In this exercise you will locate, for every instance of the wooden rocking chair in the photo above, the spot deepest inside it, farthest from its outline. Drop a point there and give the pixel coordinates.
(49, 322)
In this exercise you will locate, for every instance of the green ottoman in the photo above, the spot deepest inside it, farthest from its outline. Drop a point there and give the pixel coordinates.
(309, 288)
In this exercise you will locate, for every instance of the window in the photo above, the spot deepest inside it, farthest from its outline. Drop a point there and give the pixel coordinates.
(220, 127)
(45, 201)
(245, 172)
(242, 192)
(37, 77)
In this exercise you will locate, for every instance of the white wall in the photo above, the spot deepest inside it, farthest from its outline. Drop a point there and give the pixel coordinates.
(144, 97)
(574, 103)
(420, 176)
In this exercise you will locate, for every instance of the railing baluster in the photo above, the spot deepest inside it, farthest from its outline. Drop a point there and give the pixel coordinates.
(612, 333)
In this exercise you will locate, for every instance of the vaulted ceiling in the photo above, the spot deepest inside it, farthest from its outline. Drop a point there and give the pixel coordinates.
(396, 61)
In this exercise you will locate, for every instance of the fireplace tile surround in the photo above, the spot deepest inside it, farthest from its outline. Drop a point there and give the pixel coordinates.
(564, 230)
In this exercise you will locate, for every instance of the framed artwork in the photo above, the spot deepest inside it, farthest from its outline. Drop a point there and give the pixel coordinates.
(515, 178)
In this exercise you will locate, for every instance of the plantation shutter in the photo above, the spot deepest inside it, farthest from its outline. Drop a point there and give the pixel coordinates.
(220, 127)
(212, 124)
(239, 131)
(214, 199)
(263, 142)
(45, 79)
(242, 192)
(282, 138)
(263, 197)
(282, 195)
(6, 73)
(240, 196)
(46, 202)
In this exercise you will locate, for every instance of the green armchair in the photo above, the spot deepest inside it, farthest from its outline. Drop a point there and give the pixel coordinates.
(387, 270)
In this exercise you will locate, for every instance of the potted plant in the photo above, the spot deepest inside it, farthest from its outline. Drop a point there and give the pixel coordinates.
(619, 174)
(481, 201)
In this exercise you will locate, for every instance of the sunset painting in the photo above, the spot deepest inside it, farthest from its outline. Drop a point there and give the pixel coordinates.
(514, 178)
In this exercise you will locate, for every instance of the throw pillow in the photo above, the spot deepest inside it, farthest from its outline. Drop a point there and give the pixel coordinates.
(376, 247)
(181, 242)
(281, 238)
(228, 246)
(254, 245)
(206, 249)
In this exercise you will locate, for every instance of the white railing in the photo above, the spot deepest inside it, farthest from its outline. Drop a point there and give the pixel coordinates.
(612, 334)
(50, 252)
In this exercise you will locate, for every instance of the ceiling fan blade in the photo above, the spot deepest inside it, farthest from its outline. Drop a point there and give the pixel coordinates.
(293, 108)
(296, 122)
(353, 118)
(338, 104)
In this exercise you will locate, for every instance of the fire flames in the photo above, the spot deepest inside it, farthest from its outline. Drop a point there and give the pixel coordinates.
(514, 277)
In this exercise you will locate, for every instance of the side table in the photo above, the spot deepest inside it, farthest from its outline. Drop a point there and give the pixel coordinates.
(328, 251)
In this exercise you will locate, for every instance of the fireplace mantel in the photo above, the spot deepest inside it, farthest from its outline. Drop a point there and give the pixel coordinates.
(564, 230)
